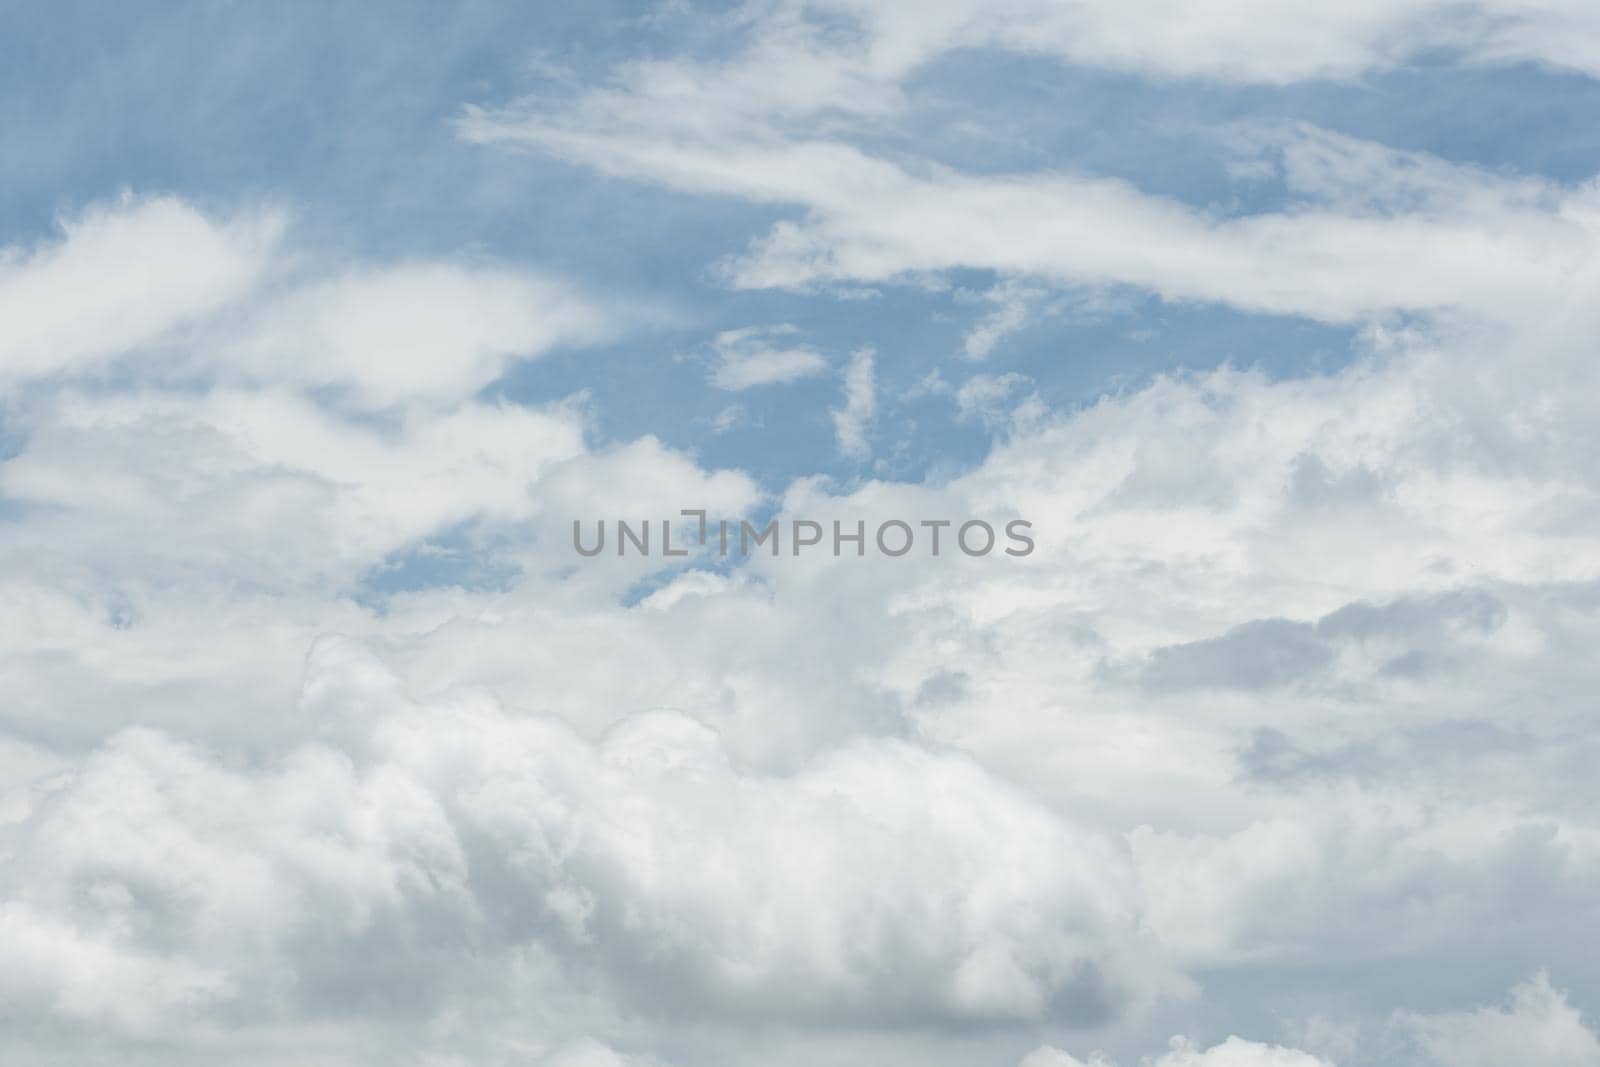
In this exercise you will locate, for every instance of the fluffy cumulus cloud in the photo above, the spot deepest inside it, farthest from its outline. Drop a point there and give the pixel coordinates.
(1233, 1052)
(414, 852)
(1538, 1025)
(321, 745)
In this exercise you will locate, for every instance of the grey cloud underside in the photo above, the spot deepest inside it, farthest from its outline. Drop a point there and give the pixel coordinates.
(1404, 639)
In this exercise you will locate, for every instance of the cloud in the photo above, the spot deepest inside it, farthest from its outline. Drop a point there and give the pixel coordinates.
(1323, 264)
(851, 422)
(1297, 685)
(124, 276)
(1537, 1027)
(1369, 230)
(988, 398)
(870, 220)
(753, 357)
(1007, 318)
(1402, 638)
(1234, 1052)
(436, 332)
(1255, 655)
(412, 846)
(1254, 43)
(853, 59)
(1435, 488)
(230, 301)
(267, 487)
(587, 1052)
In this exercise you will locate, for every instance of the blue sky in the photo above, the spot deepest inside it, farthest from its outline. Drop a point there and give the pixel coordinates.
(320, 324)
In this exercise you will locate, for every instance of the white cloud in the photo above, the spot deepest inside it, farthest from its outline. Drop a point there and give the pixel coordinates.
(1234, 1052)
(229, 301)
(587, 1052)
(1254, 41)
(124, 276)
(1172, 517)
(871, 221)
(730, 418)
(1045, 1056)
(1537, 1028)
(411, 845)
(1009, 316)
(757, 356)
(1297, 683)
(852, 422)
(1471, 242)
(857, 68)
(988, 398)
(436, 332)
(266, 487)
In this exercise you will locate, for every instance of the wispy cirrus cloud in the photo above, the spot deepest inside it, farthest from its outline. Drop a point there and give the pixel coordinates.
(1371, 230)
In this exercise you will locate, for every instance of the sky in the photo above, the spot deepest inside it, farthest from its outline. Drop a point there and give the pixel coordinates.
(322, 324)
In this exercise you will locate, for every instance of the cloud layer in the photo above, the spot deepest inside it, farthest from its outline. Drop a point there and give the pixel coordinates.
(322, 745)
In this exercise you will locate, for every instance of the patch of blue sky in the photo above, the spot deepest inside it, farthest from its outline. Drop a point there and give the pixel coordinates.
(455, 557)
(777, 433)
